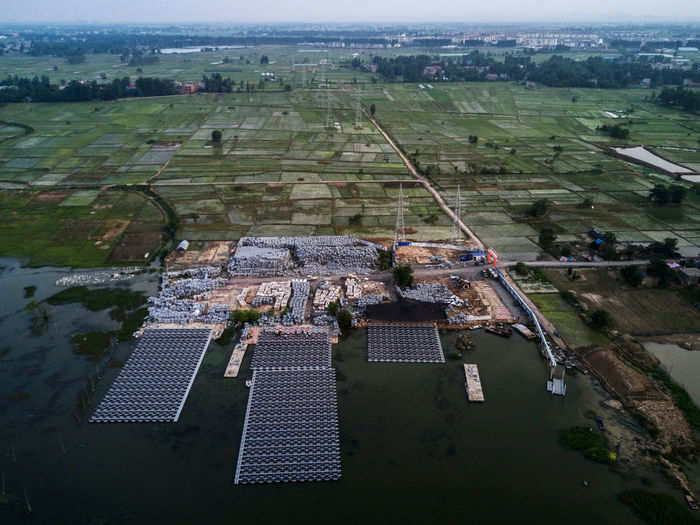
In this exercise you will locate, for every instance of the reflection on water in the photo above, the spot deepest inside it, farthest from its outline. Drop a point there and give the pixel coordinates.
(413, 449)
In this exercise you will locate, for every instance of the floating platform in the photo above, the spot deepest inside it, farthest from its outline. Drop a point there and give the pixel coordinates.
(154, 383)
(473, 383)
(524, 331)
(290, 432)
(298, 349)
(234, 364)
(404, 343)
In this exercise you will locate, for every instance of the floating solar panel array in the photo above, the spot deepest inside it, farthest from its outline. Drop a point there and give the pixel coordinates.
(156, 379)
(291, 428)
(404, 343)
(305, 349)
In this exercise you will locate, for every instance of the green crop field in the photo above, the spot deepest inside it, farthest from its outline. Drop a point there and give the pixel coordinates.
(542, 143)
(279, 170)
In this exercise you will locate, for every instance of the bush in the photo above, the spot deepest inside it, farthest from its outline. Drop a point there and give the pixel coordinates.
(593, 444)
(355, 220)
(658, 509)
(384, 258)
(245, 316)
(538, 208)
(344, 321)
(569, 297)
(601, 319)
(333, 308)
(632, 275)
(403, 276)
(216, 136)
(521, 268)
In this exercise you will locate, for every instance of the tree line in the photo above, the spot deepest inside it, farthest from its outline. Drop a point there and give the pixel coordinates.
(687, 99)
(20, 89)
(557, 71)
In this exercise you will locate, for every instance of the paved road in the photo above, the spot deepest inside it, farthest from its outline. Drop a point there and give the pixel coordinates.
(576, 264)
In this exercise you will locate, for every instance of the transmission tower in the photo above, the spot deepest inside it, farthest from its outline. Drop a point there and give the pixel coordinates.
(358, 121)
(328, 103)
(400, 232)
(328, 109)
(456, 230)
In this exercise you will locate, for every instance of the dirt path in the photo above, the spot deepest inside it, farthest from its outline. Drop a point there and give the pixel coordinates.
(426, 184)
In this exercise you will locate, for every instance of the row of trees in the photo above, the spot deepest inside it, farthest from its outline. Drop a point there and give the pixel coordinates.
(687, 99)
(557, 71)
(37, 89)
(663, 195)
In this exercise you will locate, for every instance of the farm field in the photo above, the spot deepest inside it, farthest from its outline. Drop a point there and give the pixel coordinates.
(279, 171)
(543, 144)
(79, 228)
(636, 311)
(276, 171)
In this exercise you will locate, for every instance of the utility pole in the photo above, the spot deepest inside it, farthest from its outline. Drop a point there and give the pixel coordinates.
(400, 232)
(456, 230)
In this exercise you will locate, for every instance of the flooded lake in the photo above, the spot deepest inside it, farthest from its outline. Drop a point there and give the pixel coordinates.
(413, 449)
(681, 364)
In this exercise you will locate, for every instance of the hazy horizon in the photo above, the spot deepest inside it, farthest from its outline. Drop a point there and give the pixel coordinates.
(359, 11)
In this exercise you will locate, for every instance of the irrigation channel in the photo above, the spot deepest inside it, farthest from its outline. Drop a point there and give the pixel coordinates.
(413, 449)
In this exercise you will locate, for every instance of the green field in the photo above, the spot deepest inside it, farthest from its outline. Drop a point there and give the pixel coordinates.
(542, 143)
(278, 170)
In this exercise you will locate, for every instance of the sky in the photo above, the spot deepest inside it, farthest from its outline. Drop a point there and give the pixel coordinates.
(382, 11)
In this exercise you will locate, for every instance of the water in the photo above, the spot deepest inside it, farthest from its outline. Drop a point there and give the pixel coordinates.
(413, 449)
(641, 154)
(196, 49)
(683, 365)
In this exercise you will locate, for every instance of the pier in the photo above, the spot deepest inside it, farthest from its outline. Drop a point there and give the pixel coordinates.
(234, 364)
(473, 383)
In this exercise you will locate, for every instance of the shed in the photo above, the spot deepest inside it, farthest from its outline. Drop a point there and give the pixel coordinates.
(183, 246)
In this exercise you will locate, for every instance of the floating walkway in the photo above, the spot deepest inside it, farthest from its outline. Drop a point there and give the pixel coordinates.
(154, 383)
(404, 343)
(524, 331)
(473, 383)
(234, 364)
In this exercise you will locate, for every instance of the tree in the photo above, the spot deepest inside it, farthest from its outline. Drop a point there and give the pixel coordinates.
(677, 193)
(521, 268)
(547, 238)
(333, 308)
(538, 208)
(344, 321)
(372, 109)
(609, 246)
(632, 275)
(659, 269)
(403, 276)
(287, 88)
(264, 60)
(384, 259)
(659, 194)
(216, 136)
(601, 320)
(473, 139)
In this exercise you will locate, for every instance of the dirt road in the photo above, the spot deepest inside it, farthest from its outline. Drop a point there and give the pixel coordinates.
(426, 184)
